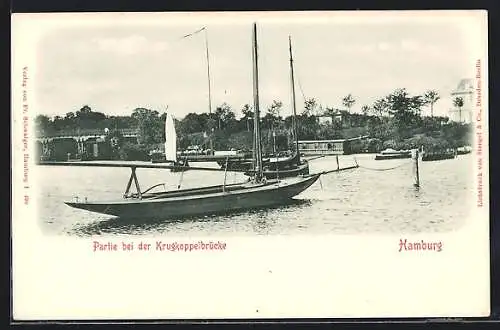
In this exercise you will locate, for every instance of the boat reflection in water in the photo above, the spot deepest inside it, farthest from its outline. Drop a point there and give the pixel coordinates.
(259, 221)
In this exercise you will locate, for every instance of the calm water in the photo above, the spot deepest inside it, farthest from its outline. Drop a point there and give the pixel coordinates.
(359, 200)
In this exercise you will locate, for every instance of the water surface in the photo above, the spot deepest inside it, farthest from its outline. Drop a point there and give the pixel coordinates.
(363, 200)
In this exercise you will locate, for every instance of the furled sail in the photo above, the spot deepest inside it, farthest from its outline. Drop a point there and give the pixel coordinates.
(170, 139)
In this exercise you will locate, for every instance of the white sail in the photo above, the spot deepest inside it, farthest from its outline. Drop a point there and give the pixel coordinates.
(170, 139)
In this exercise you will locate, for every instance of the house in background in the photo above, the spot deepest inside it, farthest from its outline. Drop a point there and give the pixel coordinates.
(328, 147)
(325, 120)
(465, 90)
(331, 116)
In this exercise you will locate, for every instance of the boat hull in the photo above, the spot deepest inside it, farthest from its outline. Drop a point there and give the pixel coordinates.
(244, 197)
(302, 169)
(392, 156)
(236, 165)
(426, 157)
(272, 163)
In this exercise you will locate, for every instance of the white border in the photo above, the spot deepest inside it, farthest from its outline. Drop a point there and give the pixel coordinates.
(325, 276)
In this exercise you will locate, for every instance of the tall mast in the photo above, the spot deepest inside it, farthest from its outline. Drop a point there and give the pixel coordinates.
(208, 74)
(210, 137)
(294, 121)
(256, 116)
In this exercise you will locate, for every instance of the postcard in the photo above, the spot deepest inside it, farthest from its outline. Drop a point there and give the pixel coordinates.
(230, 165)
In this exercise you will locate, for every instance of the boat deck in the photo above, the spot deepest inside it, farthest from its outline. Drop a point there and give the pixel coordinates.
(195, 193)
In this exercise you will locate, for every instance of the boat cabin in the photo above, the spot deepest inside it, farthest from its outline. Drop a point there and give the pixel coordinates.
(327, 147)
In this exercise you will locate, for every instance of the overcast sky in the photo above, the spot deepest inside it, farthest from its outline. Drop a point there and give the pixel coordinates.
(127, 63)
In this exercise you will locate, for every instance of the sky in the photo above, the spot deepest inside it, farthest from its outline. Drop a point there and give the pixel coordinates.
(117, 63)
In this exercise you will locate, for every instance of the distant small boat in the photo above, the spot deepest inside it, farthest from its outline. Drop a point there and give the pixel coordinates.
(393, 154)
(464, 150)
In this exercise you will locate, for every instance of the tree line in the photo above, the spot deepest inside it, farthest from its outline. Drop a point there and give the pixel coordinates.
(395, 120)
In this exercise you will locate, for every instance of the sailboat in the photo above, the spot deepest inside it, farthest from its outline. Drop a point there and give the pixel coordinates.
(170, 154)
(171, 146)
(287, 166)
(257, 192)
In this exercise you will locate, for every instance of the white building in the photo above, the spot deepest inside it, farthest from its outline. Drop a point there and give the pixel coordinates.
(465, 90)
(325, 120)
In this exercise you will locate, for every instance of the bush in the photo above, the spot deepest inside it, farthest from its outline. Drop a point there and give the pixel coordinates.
(129, 151)
(374, 145)
(428, 142)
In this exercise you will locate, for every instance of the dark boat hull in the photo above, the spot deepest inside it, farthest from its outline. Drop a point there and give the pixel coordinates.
(237, 165)
(393, 156)
(202, 201)
(182, 166)
(302, 169)
(426, 157)
(247, 164)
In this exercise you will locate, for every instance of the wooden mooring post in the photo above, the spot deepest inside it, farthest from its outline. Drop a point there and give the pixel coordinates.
(225, 175)
(415, 168)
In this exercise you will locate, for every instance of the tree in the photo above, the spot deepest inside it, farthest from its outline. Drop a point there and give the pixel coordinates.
(115, 141)
(330, 112)
(431, 97)
(401, 105)
(150, 126)
(405, 111)
(224, 115)
(459, 103)
(43, 125)
(70, 120)
(85, 109)
(58, 123)
(365, 109)
(247, 115)
(310, 106)
(348, 101)
(274, 112)
(192, 123)
(86, 118)
(275, 108)
(380, 107)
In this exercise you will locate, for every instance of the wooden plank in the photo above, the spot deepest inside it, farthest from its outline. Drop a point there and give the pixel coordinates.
(132, 164)
(129, 183)
(340, 169)
(136, 183)
(158, 166)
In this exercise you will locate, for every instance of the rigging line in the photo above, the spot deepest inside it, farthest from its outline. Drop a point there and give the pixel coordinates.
(208, 64)
(300, 85)
(193, 33)
(301, 90)
(176, 41)
(298, 81)
(385, 169)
